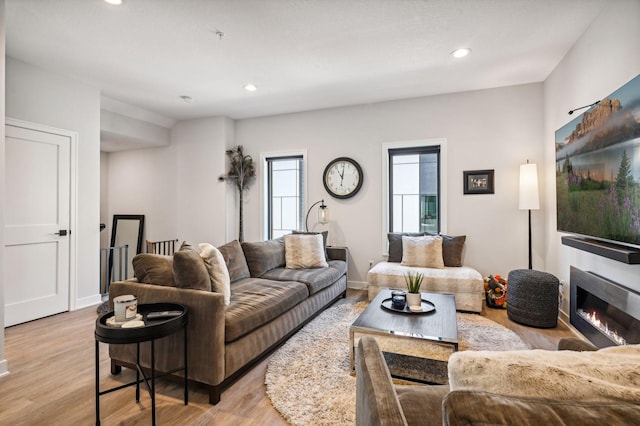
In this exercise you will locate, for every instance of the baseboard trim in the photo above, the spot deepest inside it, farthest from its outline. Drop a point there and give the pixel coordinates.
(85, 302)
(358, 285)
(4, 368)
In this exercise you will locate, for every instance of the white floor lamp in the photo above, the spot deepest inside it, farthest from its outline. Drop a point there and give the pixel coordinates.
(529, 198)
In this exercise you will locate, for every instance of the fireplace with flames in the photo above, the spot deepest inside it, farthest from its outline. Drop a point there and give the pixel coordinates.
(605, 312)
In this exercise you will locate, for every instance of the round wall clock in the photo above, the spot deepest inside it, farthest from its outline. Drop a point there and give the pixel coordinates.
(343, 177)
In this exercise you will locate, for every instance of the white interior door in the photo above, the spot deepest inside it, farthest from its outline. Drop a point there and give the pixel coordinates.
(36, 264)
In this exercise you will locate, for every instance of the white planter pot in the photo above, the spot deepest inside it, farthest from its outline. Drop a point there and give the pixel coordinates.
(414, 299)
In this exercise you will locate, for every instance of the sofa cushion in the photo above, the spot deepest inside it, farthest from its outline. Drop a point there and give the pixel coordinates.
(316, 279)
(395, 244)
(256, 301)
(189, 270)
(263, 256)
(304, 251)
(217, 269)
(422, 405)
(609, 374)
(235, 260)
(423, 251)
(481, 408)
(154, 269)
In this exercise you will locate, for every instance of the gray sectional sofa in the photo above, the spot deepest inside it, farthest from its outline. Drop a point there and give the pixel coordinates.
(268, 304)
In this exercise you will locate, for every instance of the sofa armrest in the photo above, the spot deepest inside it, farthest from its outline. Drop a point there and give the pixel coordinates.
(575, 344)
(205, 330)
(376, 400)
(337, 253)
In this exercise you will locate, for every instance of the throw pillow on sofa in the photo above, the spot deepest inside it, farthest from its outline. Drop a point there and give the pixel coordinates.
(235, 260)
(304, 251)
(217, 269)
(263, 256)
(189, 270)
(423, 252)
(325, 235)
(154, 269)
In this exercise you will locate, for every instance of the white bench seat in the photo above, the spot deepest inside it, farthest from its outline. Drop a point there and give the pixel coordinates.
(464, 282)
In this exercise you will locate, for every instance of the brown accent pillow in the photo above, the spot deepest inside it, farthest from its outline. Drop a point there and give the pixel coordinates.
(263, 256)
(154, 269)
(235, 260)
(395, 244)
(189, 270)
(452, 249)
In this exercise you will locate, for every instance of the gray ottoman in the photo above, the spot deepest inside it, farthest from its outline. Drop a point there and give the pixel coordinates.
(532, 298)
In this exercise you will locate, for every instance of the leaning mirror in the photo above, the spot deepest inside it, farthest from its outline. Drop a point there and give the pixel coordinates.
(126, 242)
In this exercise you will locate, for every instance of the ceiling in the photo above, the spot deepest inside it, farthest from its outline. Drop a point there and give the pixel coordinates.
(301, 54)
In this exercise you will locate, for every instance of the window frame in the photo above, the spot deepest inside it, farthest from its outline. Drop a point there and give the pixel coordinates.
(386, 183)
(265, 188)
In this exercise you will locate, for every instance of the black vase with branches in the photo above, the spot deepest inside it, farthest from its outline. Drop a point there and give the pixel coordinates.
(242, 173)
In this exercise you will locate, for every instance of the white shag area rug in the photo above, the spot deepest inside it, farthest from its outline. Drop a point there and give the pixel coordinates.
(308, 379)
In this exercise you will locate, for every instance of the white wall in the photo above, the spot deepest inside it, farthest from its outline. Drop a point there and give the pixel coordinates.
(143, 181)
(604, 58)
(488, 129)
(176, 187)
(200, 146)
(3, 362)
(39, 96)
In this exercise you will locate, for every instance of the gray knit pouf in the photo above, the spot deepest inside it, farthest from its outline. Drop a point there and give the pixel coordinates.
(532, 298)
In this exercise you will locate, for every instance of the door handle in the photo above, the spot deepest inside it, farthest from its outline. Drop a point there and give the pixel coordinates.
(61, 232)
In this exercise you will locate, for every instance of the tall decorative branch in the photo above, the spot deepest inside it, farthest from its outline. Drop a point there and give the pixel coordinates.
(242, 173)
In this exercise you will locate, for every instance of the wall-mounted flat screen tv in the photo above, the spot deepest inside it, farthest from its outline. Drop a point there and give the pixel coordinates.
(598, 169)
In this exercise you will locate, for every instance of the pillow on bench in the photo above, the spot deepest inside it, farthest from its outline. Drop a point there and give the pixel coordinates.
(451, 247)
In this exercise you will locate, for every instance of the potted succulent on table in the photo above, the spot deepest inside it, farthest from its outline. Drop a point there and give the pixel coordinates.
(414, 281)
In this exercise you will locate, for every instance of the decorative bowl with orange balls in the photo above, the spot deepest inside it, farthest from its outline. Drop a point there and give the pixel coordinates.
(496, 291)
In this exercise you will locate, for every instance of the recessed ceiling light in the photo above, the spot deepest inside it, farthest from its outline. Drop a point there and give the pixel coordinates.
(250, 87)
(114, 2)
(461, 53)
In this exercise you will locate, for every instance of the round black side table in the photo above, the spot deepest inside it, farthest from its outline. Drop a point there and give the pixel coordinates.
(153, 329)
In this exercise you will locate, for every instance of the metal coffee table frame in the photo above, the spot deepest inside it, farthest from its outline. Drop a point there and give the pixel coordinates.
(151, 331)
(436, 328)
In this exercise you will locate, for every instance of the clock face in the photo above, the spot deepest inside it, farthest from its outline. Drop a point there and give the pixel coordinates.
(343, 177)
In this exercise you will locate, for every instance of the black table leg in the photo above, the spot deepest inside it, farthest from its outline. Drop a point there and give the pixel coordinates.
(153, 384)
(138, 372)
(97, 385)
(186, 371)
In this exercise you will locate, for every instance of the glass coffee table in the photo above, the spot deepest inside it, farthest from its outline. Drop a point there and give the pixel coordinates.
(416, 346)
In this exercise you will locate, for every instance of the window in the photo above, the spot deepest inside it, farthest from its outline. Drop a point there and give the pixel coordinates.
(414, 187)
(414, 182)
(284, 194)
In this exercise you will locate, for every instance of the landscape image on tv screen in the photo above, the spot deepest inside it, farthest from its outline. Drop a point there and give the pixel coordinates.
(598, 169)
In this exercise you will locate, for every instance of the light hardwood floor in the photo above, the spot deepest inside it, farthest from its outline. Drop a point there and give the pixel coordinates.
(51, 380)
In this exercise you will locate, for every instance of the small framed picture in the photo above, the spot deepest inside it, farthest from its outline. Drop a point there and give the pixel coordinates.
(478, 181)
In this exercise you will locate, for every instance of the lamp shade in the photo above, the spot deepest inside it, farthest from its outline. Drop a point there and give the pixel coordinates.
(529, 197)
(323, 214)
